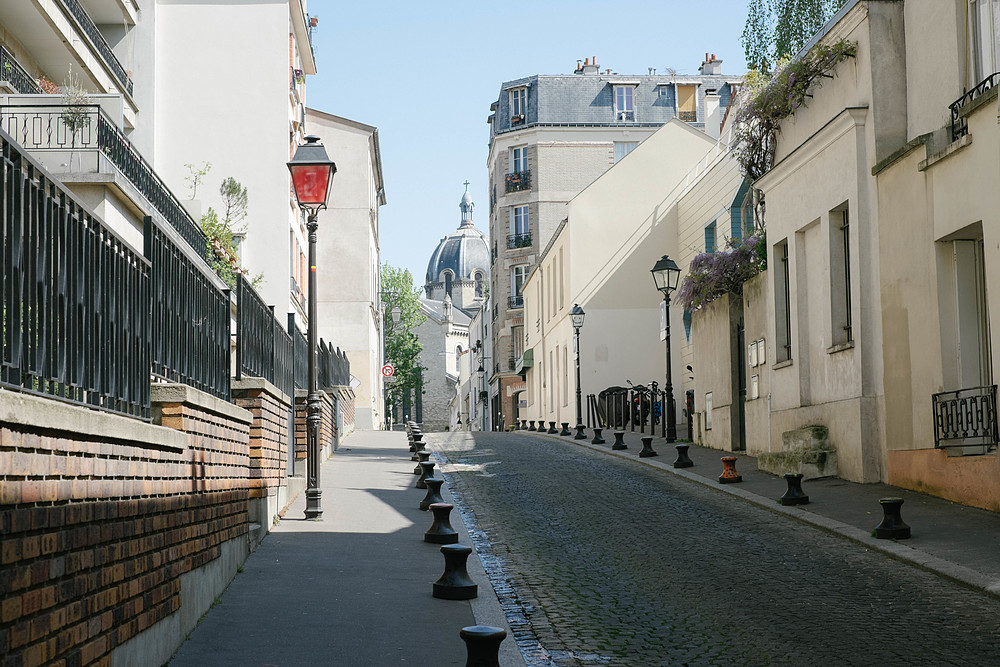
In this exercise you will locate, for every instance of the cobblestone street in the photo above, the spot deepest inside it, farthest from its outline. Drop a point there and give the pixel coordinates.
(604, 561)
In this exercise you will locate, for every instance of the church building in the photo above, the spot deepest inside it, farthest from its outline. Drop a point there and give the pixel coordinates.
(455, 288)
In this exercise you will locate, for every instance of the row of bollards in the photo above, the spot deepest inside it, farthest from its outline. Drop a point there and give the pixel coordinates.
(482, 641)
(891, 527)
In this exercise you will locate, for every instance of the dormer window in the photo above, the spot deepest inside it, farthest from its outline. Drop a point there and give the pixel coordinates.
(518, 106)
(624, 103)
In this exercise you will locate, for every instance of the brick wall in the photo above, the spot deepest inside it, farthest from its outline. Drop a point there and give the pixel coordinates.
(269, 434)
(101, 515)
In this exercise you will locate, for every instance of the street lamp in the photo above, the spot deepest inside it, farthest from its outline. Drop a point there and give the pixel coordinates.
(482, 379)
(312, 175)
(666, 273)
(576, 316)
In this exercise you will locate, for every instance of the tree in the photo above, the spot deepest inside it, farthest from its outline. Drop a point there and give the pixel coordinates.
(777, 29)
(234, 200)
(401, 317)
(221, 251)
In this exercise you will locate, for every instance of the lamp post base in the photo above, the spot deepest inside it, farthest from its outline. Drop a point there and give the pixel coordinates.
(314, 512)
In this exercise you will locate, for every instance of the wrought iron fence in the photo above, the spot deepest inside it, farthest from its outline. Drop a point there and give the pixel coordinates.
(636, 406)
(74, 296)
(333, 365)
(80, 16)
(284, 359)
(519, 241)
(190, 316)
(515, 302)
(254, 333)
(17, 76)
(517, 181)
(959, 124)
(966, 417)
(300, 354)
(688, 116)
(85, 130)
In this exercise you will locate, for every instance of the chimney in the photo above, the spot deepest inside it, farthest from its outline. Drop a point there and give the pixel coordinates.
(713, 117)
(711, 65)
(589, 66)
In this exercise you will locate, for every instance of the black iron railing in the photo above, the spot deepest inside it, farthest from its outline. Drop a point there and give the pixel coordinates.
(965, 417)
(254, 333)
(959, 124)
(85, 130)
(82, 19)
(515, 302)
(493, 253)
(688, 116)
(190, 317)
(300, 354)
(74, 296)
(519, 241)
(517, 181)
(333, 365)
(517, 119)
(284, 358)
(625, 116)
(12, 72)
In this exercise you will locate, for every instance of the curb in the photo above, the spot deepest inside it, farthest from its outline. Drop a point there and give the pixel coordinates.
(954, 572)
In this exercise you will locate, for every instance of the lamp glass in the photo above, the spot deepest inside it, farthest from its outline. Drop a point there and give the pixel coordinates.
(577, 315)
(666, 275)
(312, 173)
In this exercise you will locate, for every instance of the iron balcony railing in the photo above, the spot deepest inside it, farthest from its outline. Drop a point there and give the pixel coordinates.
(519, 241)
(959, 124)
(86, 131)
(688, 116)
(517, 119)
(517, 181)
(75, 297)
(333, 366)
(12, 72)
(87, 26)
(515, 302)
(189, 315)
(625, 116)
(966, 417)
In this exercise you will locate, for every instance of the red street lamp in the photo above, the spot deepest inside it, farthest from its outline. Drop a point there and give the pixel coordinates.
(312, 175)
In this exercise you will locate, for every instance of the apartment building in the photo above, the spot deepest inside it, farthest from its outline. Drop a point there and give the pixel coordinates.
(550, 137)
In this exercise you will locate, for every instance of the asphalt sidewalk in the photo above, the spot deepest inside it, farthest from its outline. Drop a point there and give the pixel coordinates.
(955, 541)
(353, 589)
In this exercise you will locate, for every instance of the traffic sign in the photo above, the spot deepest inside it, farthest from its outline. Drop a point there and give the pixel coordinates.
(388, 370)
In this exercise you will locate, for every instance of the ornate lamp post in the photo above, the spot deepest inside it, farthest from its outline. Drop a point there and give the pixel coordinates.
(666, 273)
(576, 315)
(479, 393)
(312, 175)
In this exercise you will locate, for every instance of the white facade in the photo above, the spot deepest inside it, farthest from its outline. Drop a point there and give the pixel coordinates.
(349, 302)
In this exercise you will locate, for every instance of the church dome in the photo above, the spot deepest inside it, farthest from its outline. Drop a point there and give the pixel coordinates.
(463, 252)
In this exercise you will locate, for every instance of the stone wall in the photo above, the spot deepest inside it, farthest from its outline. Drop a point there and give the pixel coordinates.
(104, 518)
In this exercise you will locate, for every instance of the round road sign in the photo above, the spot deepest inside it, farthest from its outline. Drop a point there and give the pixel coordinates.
(388, 370)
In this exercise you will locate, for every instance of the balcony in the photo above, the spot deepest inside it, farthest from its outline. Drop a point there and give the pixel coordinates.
(959, 124)
(519, 241)
(517, 181)
(517, 119)
(12, 72)
(515, 302)
(967, 417)
(86, 25)
(688, 116)
(83, 139)
(625, 116)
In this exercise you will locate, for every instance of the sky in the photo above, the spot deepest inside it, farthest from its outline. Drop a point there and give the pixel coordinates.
(425, 74)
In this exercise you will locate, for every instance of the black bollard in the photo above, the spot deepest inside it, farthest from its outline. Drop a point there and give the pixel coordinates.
(892, 526)
(647, 448)
(421, 457)
(433, 493)
(581, 432)
(524, 424)
(482, 643)
(598, 440)
(552, 428)
(619, 442)
(531, 425)
(455, 583)
(682, 457)
(409, 439)
(794, 494)
(441, 531)
(426, 470)
(565, 429)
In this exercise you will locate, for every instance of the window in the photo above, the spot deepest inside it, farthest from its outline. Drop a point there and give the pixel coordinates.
(562, 279)
(519, 159)
(624, 103)
(520, 224)
(710, 238)
(518, 105)
(687, 103)
(517, 341)
(662, 91)
(708, 411)
(782, 304)
(984, 16)
(687, 324)
(623, 148)
(518, 274)
(741, 214)
(479, 285)
(448, 277)
(565, 401)
(840, 277)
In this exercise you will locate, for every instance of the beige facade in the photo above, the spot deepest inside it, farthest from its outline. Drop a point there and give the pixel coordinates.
(349, 302)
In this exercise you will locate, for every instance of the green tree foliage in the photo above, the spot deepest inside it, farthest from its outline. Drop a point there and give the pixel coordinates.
(221, 252)
(777, 29)
(401, 317)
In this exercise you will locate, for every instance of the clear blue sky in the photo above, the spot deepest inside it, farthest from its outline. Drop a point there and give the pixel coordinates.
(425, 74)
